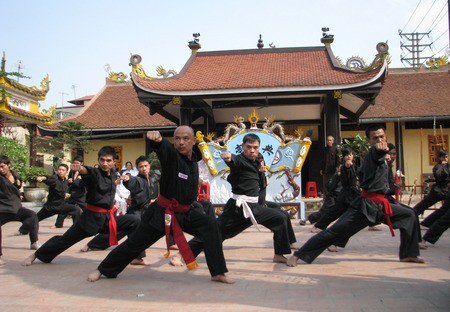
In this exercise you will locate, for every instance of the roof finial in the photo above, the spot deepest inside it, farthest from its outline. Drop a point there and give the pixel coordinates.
(260, 44)
(2, 69)
(326, 39)
(194, 45)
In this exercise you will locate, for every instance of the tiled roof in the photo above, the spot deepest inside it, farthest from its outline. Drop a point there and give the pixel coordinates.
(409, 93)
(39, 118)
(286, 68)
(117, 106)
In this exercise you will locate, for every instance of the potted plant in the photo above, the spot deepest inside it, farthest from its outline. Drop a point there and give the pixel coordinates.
(33, 192)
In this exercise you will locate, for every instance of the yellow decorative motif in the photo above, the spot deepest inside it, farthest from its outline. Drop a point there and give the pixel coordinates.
(199, 137)
(176, 100)
(299, 132)
(337, 94)
(253, 118)
(45, 85)
(210, 136)
(436, 62)
(160, 71)
(138, 70)
(118, 77)
(306, 144)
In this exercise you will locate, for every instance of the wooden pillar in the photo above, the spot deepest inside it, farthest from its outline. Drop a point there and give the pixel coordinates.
(400, 161)
(185, 114)
(331, 119)
(32, 148)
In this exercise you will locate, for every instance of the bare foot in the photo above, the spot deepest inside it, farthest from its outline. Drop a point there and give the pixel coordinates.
(2, 262)
(29, 261)
(94, 276)
(176, 260)
(332, 248)
(292, 261)
(35, 246)
(139, 261)
(222, 279)
(279, 259)
(412, 260)
(293, 246)
(173, 247)
(314, 229)
(423, 245)
(85, 248)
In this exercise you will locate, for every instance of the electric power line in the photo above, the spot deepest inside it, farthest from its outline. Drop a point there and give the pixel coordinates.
(425, 15)
(411, 16)
(437, 17)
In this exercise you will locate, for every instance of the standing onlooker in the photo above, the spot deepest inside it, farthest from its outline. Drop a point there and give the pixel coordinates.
(330, 160)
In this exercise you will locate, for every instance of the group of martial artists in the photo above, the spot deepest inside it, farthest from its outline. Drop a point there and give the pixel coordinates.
(176, 209)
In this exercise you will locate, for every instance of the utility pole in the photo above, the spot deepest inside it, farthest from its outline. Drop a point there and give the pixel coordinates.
(62, 97)
(74, 87)
(19, 67)
(414, 47)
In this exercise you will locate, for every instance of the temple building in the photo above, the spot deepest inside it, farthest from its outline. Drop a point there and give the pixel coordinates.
(19, 110)
(303, 87)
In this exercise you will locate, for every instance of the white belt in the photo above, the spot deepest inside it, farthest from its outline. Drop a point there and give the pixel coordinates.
(242, 200)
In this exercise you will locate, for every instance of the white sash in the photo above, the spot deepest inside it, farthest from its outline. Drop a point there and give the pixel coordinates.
(241, 201)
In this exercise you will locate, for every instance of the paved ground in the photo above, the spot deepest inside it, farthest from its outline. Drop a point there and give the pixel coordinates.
(366, 276)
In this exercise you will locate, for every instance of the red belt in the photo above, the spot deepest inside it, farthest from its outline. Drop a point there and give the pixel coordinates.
(387, 209)
(112, 221)
(171, 206)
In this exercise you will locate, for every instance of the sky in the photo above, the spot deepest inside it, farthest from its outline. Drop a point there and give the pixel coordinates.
(74, 41)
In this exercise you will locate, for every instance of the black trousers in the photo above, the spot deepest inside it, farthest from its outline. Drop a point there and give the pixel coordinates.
(430, 199)
(290, 229)
(439, 226)
(232, 222)
(352, 221)
(195, 222)
(27, 217)
(59, 243)
(101, 240)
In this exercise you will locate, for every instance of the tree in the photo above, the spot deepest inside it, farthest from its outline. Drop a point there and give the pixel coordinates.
(359, 145)
(17, 153)
(69, 140)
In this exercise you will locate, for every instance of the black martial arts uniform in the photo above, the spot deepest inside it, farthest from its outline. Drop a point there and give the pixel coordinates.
(363, 212)
(101, 188)
(11, 209)
(245, 180)
(179, 181)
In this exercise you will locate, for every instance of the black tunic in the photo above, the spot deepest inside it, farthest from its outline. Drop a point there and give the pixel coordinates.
(179, 180)
(57, 189)
(244, 175)
(9, 196)
(141, 190)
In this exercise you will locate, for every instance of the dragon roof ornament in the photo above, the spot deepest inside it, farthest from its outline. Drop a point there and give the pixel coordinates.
(357, 63)
(138, 70)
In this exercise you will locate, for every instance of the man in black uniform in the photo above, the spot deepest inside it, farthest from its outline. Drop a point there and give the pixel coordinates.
(56, 199)
(77, 191)
(142, 191)
(439, 191)
(174, 211)
(243, 209)
(99, 215)
(371, 207)
(11, 206)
